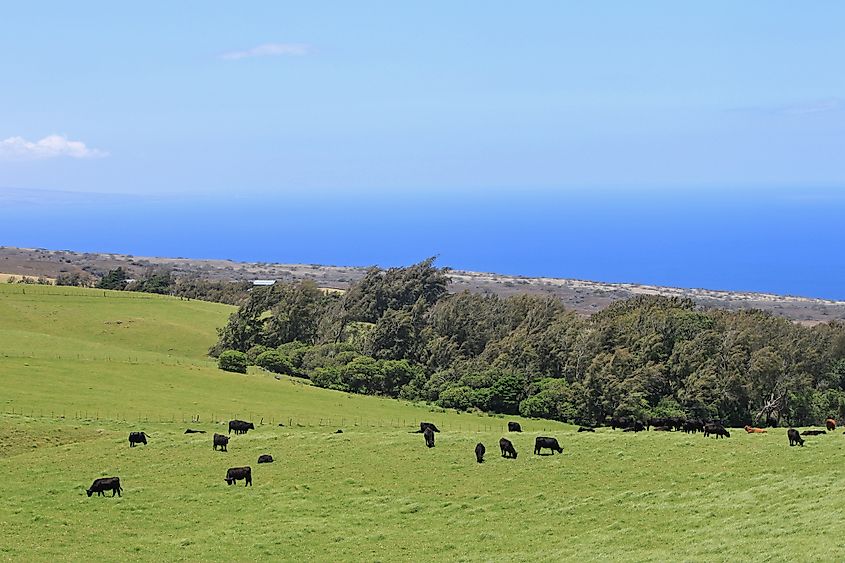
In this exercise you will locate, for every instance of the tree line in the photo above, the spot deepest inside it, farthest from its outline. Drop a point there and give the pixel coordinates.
(399, 333)
(164, 282)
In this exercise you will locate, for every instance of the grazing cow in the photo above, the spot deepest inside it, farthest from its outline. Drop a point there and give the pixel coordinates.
(137, 438)
(753, 430)
(428, 434)
(508, 451)
(103, 484)
(693, 426)
(662, 428)
(424, 425)
(658, 421)
(479, 452)
(716, 430)
(222, 441)
(794, 437)
(547, 442)
(586, 429)
(514, 427)
(813, 432)
(634, 426)
(191, 431)
(238, 473)
(265, 458)
(240, 426)
(830, 422)
(338, 431)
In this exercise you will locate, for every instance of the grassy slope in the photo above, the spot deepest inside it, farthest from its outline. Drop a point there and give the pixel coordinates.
(371, 493)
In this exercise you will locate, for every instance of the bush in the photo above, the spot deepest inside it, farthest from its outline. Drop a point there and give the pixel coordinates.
(232, 360)
(272, 360)
(457, 397)
(253, 353)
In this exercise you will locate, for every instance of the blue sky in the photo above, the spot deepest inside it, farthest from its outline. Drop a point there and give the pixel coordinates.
(404, 97)
(555, 138)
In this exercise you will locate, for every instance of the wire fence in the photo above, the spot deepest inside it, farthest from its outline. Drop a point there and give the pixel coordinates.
(154, 358)
(334, 423)
(70, 291)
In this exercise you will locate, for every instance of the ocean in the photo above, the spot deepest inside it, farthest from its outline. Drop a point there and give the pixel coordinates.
(785, 241)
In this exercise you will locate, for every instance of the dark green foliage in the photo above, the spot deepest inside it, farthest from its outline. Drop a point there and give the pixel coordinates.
(232, 360)
(232, 293)
(398, 333)
(273, 360)
(114, 279)
(364, 374)
(155, 281)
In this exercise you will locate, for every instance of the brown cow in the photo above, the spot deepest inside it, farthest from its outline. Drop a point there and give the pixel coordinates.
(831, 424)
(753, 430)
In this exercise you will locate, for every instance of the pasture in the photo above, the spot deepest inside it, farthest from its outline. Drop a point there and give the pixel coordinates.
(372, 493)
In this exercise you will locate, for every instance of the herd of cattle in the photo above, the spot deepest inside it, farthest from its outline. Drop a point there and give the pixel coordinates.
(713, 428)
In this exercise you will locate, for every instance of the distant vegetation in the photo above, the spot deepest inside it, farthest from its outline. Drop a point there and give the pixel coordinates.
(399, 333)
(163, 282)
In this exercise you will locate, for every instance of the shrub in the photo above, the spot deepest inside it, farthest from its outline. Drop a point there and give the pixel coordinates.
(272, 360)
(232, 360)
(253, 353)
(456, 397)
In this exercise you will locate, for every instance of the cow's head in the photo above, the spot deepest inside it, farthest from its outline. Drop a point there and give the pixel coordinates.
(90, 492)
(229, 481)
(251, 426)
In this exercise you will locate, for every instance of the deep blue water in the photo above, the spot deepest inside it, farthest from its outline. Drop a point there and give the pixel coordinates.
(784, 241)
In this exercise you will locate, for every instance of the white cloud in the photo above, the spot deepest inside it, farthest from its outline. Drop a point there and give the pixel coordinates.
(51, 146)
(269, 50)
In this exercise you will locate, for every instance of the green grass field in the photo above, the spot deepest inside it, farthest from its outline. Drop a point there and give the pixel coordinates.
(112, 363)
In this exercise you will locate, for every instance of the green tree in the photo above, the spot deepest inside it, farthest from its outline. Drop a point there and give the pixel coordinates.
(114, 279)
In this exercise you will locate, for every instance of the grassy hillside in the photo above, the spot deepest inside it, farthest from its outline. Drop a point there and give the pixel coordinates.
(372, 493)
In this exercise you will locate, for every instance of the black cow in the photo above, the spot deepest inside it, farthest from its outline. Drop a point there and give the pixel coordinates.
(338, 431)
(547, 442)
(424, 425)
(813, 432)
(238, 473)
(428, 434)
(137, 438)
(619, 422)
(222, 441)
(794, 437)
(99, 486)
(240, 426)
(479, 452)
(586, 429)
(716, 430)
(634, 426)
(265, 458)
(191, 431)
(693, 426)
(514, 427)
(507, 448)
